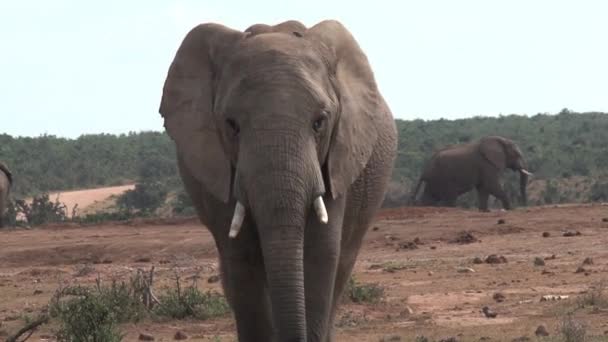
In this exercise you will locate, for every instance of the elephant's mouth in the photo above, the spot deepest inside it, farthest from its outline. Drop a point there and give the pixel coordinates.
(239, 216)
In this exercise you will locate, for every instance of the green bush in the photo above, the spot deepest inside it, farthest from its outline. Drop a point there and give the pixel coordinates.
(191, 302)
(146, 197)
(42, 210)
(363, 293)
(86, 318)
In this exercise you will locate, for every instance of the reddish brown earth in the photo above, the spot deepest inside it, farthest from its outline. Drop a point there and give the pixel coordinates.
(425, 277)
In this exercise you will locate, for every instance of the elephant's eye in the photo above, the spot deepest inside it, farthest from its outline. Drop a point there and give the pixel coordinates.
(233, 127)
(319, 123)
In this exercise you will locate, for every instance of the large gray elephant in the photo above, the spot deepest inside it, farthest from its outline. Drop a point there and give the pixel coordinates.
(6, 180)
(458, 169)
(286, 147)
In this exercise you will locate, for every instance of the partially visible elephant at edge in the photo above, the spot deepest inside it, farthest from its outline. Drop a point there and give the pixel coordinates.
(6, 180)
(458, 169)
(286, 147)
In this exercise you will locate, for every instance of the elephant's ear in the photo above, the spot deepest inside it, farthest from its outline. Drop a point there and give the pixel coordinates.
(355, 131)
(187, 104)
(494, 151)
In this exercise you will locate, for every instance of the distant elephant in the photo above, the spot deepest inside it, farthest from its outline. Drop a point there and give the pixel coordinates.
(6, 180)
(458, 169)
(286, 147)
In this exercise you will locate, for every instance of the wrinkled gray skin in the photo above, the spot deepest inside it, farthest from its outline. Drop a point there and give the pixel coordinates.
(274, 117)
(6, 180)
(458, 169)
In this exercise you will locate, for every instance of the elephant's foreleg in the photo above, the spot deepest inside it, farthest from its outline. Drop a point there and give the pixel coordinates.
(482, 199)
(321, 256)
(496, 190)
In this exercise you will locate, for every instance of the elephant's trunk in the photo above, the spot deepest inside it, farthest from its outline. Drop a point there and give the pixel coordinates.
(281, 182)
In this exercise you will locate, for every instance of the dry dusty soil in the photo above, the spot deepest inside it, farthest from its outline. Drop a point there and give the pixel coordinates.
(433, 286)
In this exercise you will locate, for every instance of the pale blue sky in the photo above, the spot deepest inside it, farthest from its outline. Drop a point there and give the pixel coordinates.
(74, 67)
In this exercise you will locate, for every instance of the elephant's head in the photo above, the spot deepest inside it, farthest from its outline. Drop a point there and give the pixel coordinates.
(276, 118)
(504, 153)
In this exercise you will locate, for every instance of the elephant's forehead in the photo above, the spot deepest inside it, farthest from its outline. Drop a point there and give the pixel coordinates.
(274, 50)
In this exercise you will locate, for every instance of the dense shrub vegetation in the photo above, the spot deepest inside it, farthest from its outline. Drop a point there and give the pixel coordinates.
(567, 153)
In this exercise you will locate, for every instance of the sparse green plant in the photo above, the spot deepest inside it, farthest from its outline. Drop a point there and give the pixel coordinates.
(596, 296)
(363, 293)
(572, 330)
(85, 317)
(422, 339)
(191, 302)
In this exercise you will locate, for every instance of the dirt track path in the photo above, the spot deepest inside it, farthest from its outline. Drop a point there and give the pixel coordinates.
(410, 252)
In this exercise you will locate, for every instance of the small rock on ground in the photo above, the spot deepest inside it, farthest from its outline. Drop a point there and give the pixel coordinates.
(179, 335)
(145, 337)
(538, 261)
(541, 331)
(213, 279)
(572, 233)
(546, 234)
(588, 261)
(488, 312)
(477, 260)
(496, 259)
(499, 297)
(391, 338)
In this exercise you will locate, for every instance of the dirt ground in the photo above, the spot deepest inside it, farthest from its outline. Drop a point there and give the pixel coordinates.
(420, 256)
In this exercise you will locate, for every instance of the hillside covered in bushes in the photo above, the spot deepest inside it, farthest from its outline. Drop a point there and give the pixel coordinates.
(566, 151)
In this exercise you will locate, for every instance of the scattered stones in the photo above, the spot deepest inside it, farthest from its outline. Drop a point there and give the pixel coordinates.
(164, 261)
(430, 273)
(495, 259)
(145, 337)
(433, 247)
(390, 338)
(572, 233)
(37, 292)
(84, 270)
(465, 270)
(541, 331)
(143, 259)
(407, 245)
(478, 260)
(406, 312)
(179, 335)
(547, 298)
(213, 279)
(546, 234)
(375, 229)
(521, 339)
(488, 312)
(501, 221)
(538, 261)
(499, 297)
(552, 257)
(547, 272)
(588, 261)
(449, 339)
(464, 237)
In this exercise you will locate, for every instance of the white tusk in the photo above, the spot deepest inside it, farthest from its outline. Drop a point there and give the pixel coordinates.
(237, 220)
(320, 209)
(527, 172)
